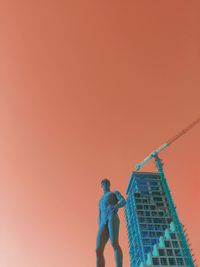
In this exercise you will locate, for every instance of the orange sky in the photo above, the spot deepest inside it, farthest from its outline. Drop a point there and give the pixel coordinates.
(87, 90)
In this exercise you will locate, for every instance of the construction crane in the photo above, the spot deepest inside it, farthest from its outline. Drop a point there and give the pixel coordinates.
(167, 144)
(159, 166)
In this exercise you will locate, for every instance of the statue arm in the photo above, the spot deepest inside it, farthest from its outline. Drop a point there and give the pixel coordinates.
(121, 200)
(99, 216)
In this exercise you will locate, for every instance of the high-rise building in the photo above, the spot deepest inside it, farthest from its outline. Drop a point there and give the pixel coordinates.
(154, 233)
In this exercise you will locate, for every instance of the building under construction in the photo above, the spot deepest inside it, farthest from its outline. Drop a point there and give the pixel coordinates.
(156, 236)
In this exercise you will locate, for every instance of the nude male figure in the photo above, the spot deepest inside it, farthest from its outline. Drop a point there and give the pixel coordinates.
(108, 222)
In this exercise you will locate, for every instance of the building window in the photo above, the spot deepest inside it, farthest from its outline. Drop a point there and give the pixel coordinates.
(156, 193)
(169, 220)
(158, 227)
(161, 252)
(146, 207)
(143, 188)
(172, 261)
(154, 241)
(144, 201)
(175, 244)
(149, 220)
(141, 219)
(173, 235)
(155, 261)
(146, 242)
(147, 249)
(160, 204)
(154, 183)
(177, 252)
(152, 207)
(157, 199)
(158, 234)
(143, 226)
(167, 244)
(140, 213)
(154, 213)
(137, 194)
(180, 261)
(150, 227)
(169, 252)
(145, 234)
(154, 188)
(152, 234)
(163, 261)
(147, 213)
(139, 207)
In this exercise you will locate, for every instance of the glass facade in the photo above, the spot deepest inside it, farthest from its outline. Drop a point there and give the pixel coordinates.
(149, 223)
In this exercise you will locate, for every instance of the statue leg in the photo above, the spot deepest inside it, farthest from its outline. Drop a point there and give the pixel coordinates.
(102, 239)
(113, 227)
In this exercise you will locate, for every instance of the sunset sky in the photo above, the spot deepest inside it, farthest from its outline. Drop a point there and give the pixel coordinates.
(87, 90)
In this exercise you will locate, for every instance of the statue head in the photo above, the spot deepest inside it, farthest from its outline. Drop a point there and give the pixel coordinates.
(105, 184)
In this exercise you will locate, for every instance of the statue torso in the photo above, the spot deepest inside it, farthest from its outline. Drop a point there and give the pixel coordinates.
(105, 203)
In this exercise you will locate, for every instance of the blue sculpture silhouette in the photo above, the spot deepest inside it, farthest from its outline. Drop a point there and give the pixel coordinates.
(108, 222)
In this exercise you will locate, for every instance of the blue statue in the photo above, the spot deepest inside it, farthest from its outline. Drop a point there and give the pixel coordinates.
(108, 222)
